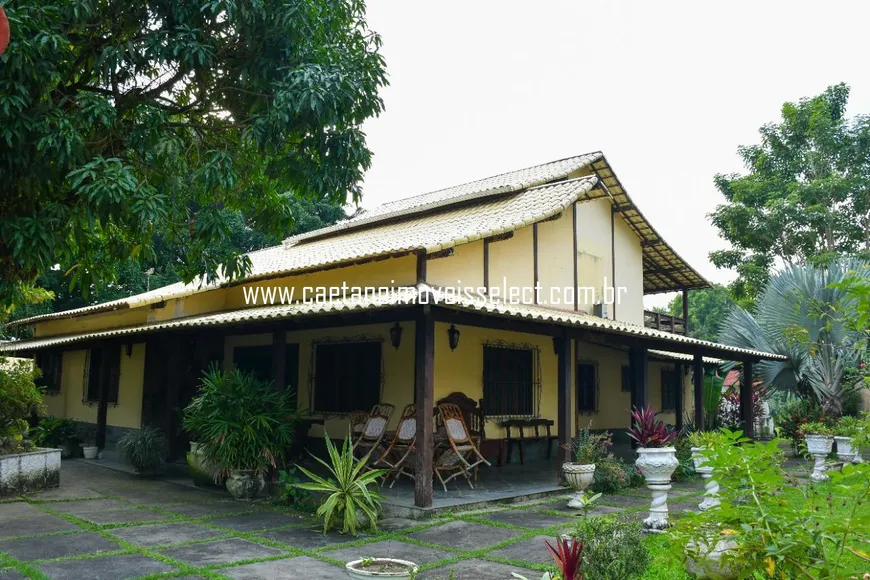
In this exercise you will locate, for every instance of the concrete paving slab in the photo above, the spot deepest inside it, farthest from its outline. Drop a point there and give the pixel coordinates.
(221, 552)
(207, 510)
(51, 547)
(531, 550)
(477, 570)
(88, 506)
(527, 519)
(11, 574)
(127, 516)
(286, 569)
(18, 509)
(308, 538)
(258, 521)
(40, 524)
(153, 535)
(106, 568)
(462, 535)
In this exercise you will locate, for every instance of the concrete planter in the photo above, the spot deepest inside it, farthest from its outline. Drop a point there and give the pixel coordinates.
(245, 485)
(579, 477)
(711, 486)
(819, 447)
(657, 464)
(31, 471)
(845, 451)
(90, 451)
(709, 563)
(401, 568)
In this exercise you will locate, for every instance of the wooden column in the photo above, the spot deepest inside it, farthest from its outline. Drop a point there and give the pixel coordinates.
(174, 375)
(679, 411)
(698, 381)
(685, 313)
(103, 399)
(562, 346)
(424, 395)
(638, 365)
(746, 408)
(279, 359)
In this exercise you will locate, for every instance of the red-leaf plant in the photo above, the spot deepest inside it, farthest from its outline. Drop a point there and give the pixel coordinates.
(648, 431)
(567, 555)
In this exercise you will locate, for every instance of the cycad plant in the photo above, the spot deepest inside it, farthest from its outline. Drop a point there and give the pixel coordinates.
(347, 488)
(801, 315)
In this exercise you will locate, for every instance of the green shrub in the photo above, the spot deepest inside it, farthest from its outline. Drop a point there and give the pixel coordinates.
(19, 399)
(54, 432)
(612, 550)
(241, 422)
(790, 416)
(613, 475)
(347, 490)
(588, 447)
(685, 471)
(145, 448)
(291, 493)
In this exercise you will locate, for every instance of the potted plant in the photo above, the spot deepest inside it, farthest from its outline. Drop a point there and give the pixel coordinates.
(242, 424)
(845, 430)
(656, 460)
(586, 449)
(702, 441)
(145, 449)
(819, 440)
(57, 434)
(381, 568)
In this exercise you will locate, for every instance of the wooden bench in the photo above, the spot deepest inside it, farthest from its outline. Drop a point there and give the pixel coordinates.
(523, 428)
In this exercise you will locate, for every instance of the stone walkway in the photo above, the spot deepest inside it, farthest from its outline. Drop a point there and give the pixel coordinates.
(105, 525)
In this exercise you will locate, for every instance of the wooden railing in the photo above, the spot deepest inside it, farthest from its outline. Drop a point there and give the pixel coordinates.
(664, 322)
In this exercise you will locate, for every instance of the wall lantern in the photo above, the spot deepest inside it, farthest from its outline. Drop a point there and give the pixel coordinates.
(396, 336)
(558, 342)
(453, 336)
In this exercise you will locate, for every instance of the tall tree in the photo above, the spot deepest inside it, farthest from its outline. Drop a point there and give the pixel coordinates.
(125, 122)
(707, 309)
(805, 198)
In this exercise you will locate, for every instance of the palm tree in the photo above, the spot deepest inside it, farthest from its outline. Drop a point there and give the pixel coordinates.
(801, 316)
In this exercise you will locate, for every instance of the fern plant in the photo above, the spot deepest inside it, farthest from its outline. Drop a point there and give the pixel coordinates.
(347, 488)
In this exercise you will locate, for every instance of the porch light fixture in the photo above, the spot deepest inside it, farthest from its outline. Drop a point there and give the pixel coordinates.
(396, 336)
(453, 336)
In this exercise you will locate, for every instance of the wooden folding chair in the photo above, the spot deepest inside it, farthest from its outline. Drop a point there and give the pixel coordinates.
(462, 456)
(402, 448)
(357, 422)
(373, 433)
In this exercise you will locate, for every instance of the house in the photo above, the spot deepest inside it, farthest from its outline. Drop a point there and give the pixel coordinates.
(524, 290)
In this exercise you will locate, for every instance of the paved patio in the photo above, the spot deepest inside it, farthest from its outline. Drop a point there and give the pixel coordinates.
(105, 525)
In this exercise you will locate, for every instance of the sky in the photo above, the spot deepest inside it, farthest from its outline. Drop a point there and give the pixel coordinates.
(667, 90)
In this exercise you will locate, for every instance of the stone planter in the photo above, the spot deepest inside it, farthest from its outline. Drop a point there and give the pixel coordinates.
(90, 451)
(245, 485)
(845, 452)
(579, 477)
(657, 464)
(709, 562)
(819, 447)
(31, 471)
(380, 568)
(711, 486)
(204, 472)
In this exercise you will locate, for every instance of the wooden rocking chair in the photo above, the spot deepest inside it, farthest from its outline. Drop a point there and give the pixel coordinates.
(402, 448)
(369, 441)
(462, 456)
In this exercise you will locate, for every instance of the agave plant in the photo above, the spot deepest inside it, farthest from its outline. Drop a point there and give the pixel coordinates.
(568, 555)
(347, 488)
(801, 315)
(649, 431)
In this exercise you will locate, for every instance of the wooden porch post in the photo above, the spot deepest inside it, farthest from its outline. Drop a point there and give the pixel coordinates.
(638, 364)
(679, 411)
(563, 354)
(698, 380)
(103, 400)
(173, 385)
(746, 408)
(279, 359)
(685, 313)
(424, 391)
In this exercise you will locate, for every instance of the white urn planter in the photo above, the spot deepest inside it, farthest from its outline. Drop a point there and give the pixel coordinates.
(711, 486)
(845, 452)
(380, 568)
(705, 562)
(819, 446)
(30, 471)
(657, 464)
(90, 451)
(579, 476)
(244, 484)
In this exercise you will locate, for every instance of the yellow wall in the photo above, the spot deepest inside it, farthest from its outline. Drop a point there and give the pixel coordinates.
(594, 251)
(127, 413)
(464, 269)
(556, 262)
(629, 272)
(512, 265)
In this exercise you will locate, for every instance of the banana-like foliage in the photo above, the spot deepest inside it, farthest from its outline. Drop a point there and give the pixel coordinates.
(347, 488)
(801, 315)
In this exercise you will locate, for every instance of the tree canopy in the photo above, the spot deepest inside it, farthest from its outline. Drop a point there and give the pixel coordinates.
(805, 197)
(707, 309)
(127, 126)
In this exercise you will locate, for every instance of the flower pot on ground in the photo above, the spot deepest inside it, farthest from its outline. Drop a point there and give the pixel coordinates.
(204, 472)
(381, 568)
(820, 441)
(227, 400)
(586, 449)
(90, 451)
(656, 460)
(145, 449)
